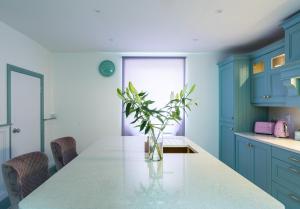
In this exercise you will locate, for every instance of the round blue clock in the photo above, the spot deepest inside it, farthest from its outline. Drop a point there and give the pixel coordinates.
(107, 68)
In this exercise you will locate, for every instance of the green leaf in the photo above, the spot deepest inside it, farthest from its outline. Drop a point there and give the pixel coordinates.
(181, 94)
(137, 111)
(188, 107)
(160, 119)
(128, 93)
(148, 102)
(147, 128)
(127, 111)
(192, 89)
(142, 94)
(120, 94)
(143, 125)
(135, 120)
(132, 89)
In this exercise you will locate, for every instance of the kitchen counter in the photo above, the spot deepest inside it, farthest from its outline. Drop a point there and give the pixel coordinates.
(284, 143)
(113, 174)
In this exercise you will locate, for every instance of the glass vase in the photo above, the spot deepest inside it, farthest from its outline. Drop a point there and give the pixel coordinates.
(155, 151)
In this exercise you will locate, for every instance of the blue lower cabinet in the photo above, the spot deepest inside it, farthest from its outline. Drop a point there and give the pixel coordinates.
(288, 197)
(227, 145)
(253, 161)
(262, 165)
(244, 163)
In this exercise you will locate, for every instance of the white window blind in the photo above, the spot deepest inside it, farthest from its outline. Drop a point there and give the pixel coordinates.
(158, 76)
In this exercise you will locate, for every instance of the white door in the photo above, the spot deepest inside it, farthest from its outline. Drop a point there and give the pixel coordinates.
(25, 113)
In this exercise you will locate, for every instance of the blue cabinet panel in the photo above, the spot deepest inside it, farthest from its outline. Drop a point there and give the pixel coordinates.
(227, 145)
(259, 89)
(286, 156)
(227, 92)
(244, 163)
(286, 174)
(292, 39)
(289, 198)
(262, 165)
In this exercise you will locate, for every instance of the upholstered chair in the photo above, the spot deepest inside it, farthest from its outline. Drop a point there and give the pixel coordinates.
(23, 174)
(64, 151)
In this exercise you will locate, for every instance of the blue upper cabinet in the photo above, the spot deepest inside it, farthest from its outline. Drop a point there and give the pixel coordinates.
(292, 38)
(266, 66)
(291, 73)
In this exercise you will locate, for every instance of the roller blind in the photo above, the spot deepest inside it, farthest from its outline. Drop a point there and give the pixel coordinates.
(158, 76)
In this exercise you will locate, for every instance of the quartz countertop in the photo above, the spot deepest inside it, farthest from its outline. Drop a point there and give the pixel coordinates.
(113, 174)
(284, 143)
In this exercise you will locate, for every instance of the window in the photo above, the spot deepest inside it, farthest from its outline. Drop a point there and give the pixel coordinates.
(158, 76)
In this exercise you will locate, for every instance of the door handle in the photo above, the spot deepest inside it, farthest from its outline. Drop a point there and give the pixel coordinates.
(16, 130)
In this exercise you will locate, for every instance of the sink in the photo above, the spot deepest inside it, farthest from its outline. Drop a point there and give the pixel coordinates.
(184, 149)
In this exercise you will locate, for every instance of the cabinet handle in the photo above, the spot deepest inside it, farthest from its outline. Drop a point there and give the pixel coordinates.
(294, 197)
(294, 170)
(294, 159)
(264, 97)
(250, 145)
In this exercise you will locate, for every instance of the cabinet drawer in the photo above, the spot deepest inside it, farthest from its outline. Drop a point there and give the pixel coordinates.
(286, 174)
(286, 156)
(289, 198)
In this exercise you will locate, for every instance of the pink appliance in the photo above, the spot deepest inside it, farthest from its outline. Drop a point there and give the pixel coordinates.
(261, 127)
(281, 129)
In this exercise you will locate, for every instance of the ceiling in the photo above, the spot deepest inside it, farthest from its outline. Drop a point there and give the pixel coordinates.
(146, 25)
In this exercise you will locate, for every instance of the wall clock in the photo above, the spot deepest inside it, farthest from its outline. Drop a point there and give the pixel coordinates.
(107, 68)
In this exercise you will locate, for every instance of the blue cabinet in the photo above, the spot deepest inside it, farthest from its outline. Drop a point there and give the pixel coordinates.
(286, 177)
(227, 92)
(227, 144)
(292, 38)
(244, 163)
(253, 161)
(266, 66)
(236, 111)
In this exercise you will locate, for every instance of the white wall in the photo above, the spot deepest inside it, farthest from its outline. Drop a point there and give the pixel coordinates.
(87, 106)
(19, 50)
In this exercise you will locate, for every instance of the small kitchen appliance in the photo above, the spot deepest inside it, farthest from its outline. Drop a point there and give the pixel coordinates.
(281, 129)
(261, 127)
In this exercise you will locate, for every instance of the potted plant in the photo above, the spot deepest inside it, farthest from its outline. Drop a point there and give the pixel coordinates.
(153, 121)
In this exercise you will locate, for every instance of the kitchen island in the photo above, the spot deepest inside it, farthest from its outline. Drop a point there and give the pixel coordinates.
(113, 174)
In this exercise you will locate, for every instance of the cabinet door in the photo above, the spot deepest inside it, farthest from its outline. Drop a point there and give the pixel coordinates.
(227, 93)
(278, 91)
(258, 80)
(244, 158)
(227, 145)
(292, 42)
(262, 165)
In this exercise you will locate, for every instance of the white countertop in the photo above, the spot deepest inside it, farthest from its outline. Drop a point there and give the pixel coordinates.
(284, 143)
(113, 174)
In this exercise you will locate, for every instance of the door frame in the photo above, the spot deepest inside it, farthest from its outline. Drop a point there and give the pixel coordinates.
(10, 69)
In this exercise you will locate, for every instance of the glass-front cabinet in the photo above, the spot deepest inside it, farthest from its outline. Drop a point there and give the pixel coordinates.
(259, 77)
(266, 66)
